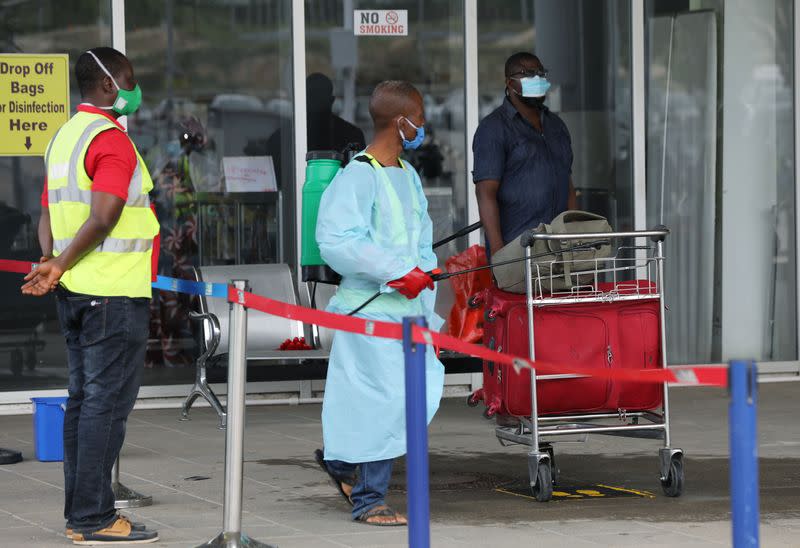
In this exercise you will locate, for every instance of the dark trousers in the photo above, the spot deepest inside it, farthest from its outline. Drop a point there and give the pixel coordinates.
(371, 486)
(106, 343)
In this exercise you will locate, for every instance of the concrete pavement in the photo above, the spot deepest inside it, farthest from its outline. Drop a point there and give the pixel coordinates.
(478, 495)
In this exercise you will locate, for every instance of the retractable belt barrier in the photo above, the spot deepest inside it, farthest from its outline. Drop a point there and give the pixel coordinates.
(740, 377)
(20, 267)
(693, 375)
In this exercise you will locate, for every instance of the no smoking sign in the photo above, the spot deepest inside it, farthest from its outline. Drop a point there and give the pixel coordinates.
(380, 22)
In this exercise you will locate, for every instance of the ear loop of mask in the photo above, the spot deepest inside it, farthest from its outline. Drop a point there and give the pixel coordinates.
(403, 135)
(519, 93)
(104, 69)
(512, 88)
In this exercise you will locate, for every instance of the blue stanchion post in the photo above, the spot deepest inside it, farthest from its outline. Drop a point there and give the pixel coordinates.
(743, 389)
(419, 534)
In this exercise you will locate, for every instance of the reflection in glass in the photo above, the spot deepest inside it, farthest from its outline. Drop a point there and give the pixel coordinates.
(721, 175)
(431, 58)
(32, 347)
(681, 172)
(585, 45)
(326, 130)
(216, 79)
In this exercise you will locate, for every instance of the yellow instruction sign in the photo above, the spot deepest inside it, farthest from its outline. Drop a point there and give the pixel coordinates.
(34, 101)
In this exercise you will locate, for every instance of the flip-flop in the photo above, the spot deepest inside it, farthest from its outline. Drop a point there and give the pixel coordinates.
(9, 456)
(381, 511)
(319, 456)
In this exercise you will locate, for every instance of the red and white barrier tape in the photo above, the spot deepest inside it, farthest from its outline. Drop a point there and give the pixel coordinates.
(19, 267)
(692, 375)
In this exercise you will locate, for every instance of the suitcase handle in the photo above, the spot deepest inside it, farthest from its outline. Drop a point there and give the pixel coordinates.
(657, 234)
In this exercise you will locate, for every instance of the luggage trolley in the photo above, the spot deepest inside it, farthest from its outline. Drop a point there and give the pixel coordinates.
(611, 287)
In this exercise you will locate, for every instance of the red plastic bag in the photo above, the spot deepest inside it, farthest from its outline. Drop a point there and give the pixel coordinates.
(464, 322)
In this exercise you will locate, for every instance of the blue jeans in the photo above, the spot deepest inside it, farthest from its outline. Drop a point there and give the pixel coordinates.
(106, 342)
(372, 484)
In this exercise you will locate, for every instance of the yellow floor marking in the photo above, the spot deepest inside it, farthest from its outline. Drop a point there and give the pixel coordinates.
(582, 493)
(501, 490)
(567, 495)
(645, 494)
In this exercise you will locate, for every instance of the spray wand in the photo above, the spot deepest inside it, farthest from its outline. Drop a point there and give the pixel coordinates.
(437, 274)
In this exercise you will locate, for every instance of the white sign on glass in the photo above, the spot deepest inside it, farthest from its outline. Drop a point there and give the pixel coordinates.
(249, 174)
(380, 22)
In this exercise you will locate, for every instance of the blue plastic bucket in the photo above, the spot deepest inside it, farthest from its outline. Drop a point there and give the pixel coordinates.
(48, 428)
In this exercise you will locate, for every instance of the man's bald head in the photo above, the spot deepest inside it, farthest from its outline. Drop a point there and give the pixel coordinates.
(393, 99)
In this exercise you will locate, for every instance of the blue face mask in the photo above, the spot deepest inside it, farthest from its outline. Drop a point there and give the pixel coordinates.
(417, 141)
(535, 86)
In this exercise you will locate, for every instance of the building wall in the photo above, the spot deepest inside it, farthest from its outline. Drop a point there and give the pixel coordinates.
(720, 140)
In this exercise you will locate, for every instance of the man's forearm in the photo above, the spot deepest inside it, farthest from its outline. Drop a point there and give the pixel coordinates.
(489, 212)
(103, 216)
(572, 196)
(45, 234)
(89, 236)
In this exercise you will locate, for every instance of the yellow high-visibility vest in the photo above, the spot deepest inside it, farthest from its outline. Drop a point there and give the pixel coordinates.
(121, 265)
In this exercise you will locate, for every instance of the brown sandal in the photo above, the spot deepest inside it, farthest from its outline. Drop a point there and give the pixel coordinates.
(382, 511)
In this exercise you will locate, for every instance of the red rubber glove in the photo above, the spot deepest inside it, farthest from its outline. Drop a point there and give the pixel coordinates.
(412, 283)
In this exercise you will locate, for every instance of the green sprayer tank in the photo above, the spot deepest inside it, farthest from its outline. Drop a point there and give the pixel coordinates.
(321, 167)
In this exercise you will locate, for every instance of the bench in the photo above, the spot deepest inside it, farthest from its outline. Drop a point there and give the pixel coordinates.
(265, 332)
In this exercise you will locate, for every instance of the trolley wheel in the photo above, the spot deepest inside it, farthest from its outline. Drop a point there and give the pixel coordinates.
(16, 363)
(553, 467)
(543, 489)
(488, 413)
(472, 401)
(673, 485)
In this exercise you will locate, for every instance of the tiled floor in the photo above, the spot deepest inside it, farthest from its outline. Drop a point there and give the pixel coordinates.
(288, 502)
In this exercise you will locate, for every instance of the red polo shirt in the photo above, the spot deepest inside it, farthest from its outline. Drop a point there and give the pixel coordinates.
(110, 162)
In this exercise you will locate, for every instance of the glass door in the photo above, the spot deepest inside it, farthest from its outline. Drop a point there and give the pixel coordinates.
(32, 349)
(720, 174)
(343, 66)
(214, 125)
(585, 45)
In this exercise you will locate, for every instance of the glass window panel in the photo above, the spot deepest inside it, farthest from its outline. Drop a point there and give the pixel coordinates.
(217, 84)
(32, 347)
(432, 58)
(720, 174)
(585, 44)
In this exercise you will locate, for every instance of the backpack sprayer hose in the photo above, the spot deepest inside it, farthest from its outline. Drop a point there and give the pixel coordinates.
(438, 275)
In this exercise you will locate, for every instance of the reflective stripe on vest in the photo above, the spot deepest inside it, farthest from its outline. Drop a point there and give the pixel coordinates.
(111, 245)
(397, 225)
(72, 192)
(120, 265)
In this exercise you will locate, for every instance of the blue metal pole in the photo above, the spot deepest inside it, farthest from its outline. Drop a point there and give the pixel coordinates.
(419, 534)
(743, 389)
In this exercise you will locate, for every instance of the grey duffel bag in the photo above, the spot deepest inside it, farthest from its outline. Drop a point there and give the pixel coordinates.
(557, 269)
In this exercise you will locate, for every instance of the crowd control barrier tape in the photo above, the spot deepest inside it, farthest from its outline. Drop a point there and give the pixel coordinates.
(191, 287)
(415, 337)
(692, 375)
(20, 267)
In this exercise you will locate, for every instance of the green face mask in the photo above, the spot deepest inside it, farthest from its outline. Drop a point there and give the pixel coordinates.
(128, 100)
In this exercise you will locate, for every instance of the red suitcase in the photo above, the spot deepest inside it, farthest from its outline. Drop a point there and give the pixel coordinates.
(620, 334)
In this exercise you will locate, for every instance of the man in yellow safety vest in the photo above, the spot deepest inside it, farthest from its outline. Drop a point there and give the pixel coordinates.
(97, 232)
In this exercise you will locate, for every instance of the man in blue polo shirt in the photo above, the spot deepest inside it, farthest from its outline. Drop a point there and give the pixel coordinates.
(523, 157)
